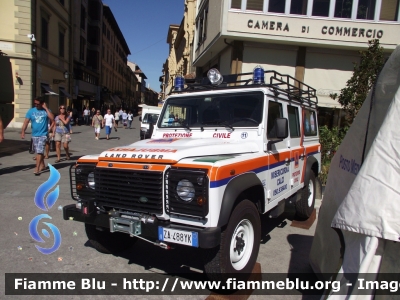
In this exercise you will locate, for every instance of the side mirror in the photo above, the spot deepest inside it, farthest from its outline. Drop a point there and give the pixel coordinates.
(140, 119)
(282, 132)
(282, 128)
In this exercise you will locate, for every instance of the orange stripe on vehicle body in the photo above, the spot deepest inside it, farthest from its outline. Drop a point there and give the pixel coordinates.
(87, 161)
(312, 149)
(193, 166)
(251, 165)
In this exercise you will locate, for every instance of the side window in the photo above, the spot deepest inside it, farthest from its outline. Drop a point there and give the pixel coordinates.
(274, 112)
(294, 124)
(310, 123)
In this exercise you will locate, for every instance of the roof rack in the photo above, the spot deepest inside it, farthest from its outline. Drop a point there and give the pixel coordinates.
(281, 84)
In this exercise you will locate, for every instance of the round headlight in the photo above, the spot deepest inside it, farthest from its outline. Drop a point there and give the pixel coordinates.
(185, 190)
(90, 180)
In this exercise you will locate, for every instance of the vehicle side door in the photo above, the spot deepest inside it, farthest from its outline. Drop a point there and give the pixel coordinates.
(278, 156)
(296, 145)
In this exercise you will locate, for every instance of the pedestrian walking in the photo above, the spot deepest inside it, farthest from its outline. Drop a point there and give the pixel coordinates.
(86, 115)
(97, 123)
(117, 118)
(120, 114)
(124, 119)
(50, 125)
(1, 130)
(69, 111)
(130, 119)
(38, 116)
(108, 122)
(61, 132)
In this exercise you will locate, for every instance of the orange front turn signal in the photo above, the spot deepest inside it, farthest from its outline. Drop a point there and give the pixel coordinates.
(79, 186)
(201, 201)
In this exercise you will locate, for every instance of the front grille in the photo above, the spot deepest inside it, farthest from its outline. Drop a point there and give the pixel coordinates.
(129, 189)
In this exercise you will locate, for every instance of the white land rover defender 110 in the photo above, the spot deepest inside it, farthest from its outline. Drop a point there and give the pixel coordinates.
(223, 152)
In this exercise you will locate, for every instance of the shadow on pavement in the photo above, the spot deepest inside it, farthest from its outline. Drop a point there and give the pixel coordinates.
(179, 260)
(11, 147)
(299, 261)
(9, 170)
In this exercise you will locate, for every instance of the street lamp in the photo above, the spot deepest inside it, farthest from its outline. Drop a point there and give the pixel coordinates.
(66, 76)
(32, 37)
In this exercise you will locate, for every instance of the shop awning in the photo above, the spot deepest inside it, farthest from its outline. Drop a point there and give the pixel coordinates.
(328, 102)
(117, 100)
(108, 102)
(65, 93)
(47, 90)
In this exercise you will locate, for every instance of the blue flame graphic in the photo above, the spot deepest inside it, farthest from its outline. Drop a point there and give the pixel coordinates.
(45, 187)
(35, 235)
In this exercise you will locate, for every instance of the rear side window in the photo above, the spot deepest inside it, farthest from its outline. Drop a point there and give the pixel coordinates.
(310, 123)
(294, 124)
(274, 112)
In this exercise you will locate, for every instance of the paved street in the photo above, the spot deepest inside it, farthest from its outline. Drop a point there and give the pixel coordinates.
(284, 248)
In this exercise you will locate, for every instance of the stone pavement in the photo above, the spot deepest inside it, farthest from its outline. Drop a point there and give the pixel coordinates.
(284, 249)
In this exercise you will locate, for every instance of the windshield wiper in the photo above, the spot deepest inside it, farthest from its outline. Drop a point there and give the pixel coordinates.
(184, 124)
(227, 125)
(218, 122)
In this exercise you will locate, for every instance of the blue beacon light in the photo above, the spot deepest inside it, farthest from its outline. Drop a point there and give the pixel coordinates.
(258, 75)
(179, 83)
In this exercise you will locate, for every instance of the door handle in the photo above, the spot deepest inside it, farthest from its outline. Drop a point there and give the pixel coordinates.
(287, 161)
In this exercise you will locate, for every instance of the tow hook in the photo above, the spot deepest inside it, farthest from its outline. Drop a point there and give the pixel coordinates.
(157, 243)
(163, 245)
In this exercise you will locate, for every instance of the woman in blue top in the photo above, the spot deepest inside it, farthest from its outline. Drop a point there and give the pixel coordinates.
(61, 132)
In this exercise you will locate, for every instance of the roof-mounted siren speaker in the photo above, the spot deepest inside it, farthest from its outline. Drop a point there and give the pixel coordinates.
(179, 83)
(258, 75)
(215, 77)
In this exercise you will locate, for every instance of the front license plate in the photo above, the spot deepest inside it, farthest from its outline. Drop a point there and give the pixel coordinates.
(182, 237)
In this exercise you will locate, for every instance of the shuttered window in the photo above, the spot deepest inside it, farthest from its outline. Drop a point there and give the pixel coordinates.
(236, 4)
(255, 5)
(389, 10)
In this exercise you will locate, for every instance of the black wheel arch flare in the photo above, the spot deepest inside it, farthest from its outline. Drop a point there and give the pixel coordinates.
(233, 189)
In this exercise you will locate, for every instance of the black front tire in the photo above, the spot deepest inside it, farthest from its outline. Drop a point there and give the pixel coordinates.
(240, 243)
(108, 242)
(305, 206)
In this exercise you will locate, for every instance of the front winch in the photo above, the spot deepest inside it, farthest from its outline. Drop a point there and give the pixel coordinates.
(133, 227)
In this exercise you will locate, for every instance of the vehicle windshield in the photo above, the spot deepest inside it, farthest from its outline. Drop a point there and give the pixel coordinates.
(150, 118)
(225, 110)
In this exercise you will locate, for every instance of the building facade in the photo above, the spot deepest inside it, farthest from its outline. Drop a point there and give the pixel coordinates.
(36, 35)
(114, 78)
(315, 41)
(87, 21)
(180, 40)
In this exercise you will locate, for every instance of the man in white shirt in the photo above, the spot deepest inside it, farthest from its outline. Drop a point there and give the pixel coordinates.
(108, 121)
(86, 115)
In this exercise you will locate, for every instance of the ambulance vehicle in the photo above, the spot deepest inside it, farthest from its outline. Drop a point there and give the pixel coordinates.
(225, 150)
